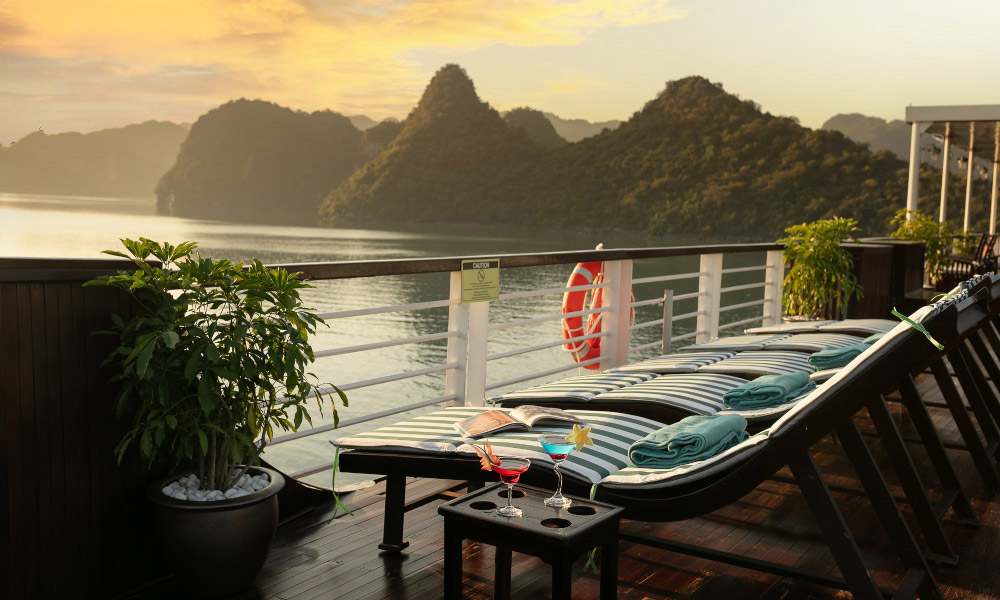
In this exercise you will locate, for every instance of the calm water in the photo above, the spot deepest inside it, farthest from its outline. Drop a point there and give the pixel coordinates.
(59, 226)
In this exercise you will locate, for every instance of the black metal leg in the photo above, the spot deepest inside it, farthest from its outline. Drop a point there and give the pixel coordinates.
(831, 522)
(967, 430)
(609, 570)
(914, 488)
(395, 504)
(562, 577)
(950, 486)
(890, 517)
(452, 563)
(501, 575)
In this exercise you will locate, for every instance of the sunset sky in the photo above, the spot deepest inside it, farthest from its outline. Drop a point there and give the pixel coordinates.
(67, 65)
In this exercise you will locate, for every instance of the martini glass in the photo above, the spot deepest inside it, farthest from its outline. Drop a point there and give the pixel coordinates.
(558, 449)
(509, 470)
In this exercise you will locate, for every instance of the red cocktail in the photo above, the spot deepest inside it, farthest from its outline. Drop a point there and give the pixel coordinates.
(509, 470)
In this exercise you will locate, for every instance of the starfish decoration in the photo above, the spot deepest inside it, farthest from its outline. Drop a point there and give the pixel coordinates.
(486, 456)
(580, 437)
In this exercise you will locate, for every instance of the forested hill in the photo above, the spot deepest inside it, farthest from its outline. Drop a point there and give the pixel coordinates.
(694, 159)
(123, 162)
(253, 160)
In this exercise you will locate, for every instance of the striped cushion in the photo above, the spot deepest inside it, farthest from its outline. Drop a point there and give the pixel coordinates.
(753, 363)
(696, 393)
(814, 342)
(821, 376)
(640, 475)
(674, 363)
(432, 432)
(859, 326)
(789, 327)
(612, 433)
(579, 388)
(736, 343)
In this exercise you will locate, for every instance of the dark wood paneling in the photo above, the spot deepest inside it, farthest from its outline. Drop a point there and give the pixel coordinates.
(872, 263)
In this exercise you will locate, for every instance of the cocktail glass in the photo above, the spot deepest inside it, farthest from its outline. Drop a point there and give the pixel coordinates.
(558, 449)
(509, 470)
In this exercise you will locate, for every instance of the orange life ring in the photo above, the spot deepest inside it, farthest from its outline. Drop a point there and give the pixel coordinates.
(574, 301)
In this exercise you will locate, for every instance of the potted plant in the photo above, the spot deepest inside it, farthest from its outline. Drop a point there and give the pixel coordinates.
(937, 238)
(821, 280)
(212, 362)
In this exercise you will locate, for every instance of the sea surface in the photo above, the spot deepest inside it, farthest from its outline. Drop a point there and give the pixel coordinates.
(81, 227)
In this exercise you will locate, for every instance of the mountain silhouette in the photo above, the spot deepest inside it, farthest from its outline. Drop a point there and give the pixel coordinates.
(538, 128)
(574, 130)
(118, 162)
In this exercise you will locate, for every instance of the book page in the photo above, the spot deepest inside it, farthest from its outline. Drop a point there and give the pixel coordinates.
(488, 422)
(529, 414)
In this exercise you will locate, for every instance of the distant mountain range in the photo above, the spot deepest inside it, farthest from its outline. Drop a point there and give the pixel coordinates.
(124, 161)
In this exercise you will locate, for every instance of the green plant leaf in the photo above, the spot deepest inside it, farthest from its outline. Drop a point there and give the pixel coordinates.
(205, 396)
(170, 339)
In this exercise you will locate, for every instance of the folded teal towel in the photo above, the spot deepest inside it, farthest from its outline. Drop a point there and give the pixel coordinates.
(833, 358)
(688, 440)
(872, 338)
(769, 390)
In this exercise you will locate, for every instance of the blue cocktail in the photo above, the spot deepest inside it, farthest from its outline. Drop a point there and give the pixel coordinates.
(558, 449)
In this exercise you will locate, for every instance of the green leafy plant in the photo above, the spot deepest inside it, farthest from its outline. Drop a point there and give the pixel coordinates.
(937, 238)
(821, 277)
(213, 361)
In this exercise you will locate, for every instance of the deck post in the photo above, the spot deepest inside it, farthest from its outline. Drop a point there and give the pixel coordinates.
(710, 298)
(968, 178)
(943, 210)
(914, 178)
(458, 346)
(773, 279)
(668, 321)
(616, 323)
(475, 375)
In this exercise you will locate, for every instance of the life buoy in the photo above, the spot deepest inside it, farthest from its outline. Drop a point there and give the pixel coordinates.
(575, 301)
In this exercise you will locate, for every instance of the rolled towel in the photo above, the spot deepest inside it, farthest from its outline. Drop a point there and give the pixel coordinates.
(832, 358)
(769, 390)
(872, 338)
(688, 440)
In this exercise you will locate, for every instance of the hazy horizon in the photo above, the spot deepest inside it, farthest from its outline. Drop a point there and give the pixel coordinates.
(69, 66)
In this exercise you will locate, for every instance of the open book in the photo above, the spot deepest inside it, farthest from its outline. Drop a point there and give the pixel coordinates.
(521, 418)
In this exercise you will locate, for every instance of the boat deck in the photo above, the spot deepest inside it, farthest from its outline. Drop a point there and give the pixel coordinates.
(312, 558)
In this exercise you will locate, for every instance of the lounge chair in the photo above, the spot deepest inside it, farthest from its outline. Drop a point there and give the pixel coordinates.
(692, 490)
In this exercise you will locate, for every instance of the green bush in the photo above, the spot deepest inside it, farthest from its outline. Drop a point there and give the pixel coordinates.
(937, 238)
(821, 280)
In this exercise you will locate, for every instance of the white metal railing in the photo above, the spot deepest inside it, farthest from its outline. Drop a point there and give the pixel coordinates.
(469, 329)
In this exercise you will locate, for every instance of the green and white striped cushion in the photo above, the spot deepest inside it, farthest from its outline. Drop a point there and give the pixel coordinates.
(612, 433)
(790, 327)
(432, 432)
(579, 388)
(859, 326)
(696, 393)
(758, 362)
(674, 363)
(814, 342)
(736, 343)
(630, 475)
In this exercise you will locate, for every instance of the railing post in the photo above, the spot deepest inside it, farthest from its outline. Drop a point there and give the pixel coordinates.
(616, 322)
(475, 375)
(458, 346)
(668, 321)
(773, 279)
(710, 288)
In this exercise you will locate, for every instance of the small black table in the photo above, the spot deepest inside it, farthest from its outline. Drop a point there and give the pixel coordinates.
(556, 535)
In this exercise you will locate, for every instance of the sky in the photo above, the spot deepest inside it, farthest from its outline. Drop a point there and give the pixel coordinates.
(68, 65)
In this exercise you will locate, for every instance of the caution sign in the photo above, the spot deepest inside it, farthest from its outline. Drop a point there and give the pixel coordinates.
(480, 280)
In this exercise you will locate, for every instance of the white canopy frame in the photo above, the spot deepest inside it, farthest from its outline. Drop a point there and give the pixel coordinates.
(952, 126)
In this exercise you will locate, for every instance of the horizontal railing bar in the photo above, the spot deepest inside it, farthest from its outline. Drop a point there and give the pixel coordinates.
(572, 288)
(746, 286)
(311, 470)
(648, 302)
(430, 337)
(689, 315)
(519, 351)
(687, 336)
(362, 419)
(387, 309)
(555, 317)
(674, 277)
(646, 324)
(568, 367)
(742, 305)
(688, 296)
(741, 322)
(399, 376)
(744, 269)
(646, 346)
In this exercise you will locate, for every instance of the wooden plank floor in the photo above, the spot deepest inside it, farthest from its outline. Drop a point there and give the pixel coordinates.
(315, 559)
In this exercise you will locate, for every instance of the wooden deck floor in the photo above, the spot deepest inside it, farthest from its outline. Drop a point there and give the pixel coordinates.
(314, 559)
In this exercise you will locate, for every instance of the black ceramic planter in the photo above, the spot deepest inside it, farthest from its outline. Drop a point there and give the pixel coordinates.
(216, 548)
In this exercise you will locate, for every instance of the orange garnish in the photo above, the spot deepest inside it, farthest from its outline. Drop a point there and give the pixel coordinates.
(486, 456)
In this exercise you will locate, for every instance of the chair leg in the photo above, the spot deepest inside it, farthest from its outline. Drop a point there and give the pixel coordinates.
(963, 421)
(986, 399)
(886, 508)
(950, 487)
(395, 506)
(909, 479)
(831, 522)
